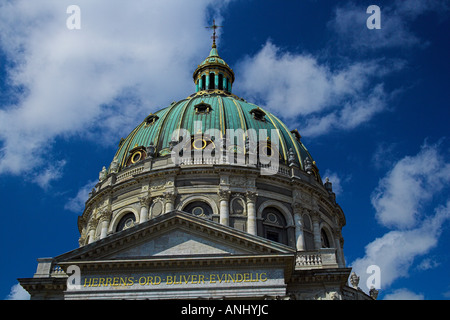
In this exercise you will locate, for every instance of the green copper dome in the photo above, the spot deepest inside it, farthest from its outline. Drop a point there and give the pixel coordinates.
(212, 107)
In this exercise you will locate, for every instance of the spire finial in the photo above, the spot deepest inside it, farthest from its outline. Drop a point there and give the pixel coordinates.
(214, 37)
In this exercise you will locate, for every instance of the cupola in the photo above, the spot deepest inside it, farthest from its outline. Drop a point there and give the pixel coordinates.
(213, 73)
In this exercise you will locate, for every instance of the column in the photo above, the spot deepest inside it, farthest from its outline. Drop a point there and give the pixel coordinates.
(207, 82)
(224, 206)
(169, 201)
(145, 203)
(225, 87)
(104, 218)
(104, 232)
(216, 80)
(339, 253)
(299, 239)
(316, 230)
(251, 213)
(91, 234)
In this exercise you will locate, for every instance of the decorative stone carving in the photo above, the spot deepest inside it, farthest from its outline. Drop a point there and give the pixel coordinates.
(114, 167)
(373, 293)
(224, 195)
(328, 185)
(308, 165)
(102, 175)
(354, 280)
(145, 200)
(291, 158)
(150, 150)
(104, 214)
(157, 184)
(251, 196)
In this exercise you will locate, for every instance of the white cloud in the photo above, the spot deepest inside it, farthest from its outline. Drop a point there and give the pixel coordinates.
(396, 250)
(411, 182)
(18, 293)
(128, 59)
(53, 172)
(427, 264)
(403, 294)
(402, 193)
(298, 85)
(77, 203)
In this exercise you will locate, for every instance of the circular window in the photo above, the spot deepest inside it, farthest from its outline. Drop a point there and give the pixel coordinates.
(267, 150)
(272, 217)
(136, 157)
(199, 144)
(127, 221)
(197, 211)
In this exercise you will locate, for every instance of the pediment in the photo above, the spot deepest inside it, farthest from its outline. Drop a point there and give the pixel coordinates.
(176, 234)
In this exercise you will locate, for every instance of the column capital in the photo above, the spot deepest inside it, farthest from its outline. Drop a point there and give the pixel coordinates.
(224, 195)
(170, 196)
(145, 200)
(104, 215)
(297, 207)
(251, 196)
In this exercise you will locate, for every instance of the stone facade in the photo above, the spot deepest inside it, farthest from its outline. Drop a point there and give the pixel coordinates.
(253, 237)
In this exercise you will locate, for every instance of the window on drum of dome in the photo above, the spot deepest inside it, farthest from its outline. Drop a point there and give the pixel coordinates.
(211, 80)
(127, 221)
(308, 232)
(203, 87)
(324, 239)
(220, 81)
(199, 209)
(274, 225)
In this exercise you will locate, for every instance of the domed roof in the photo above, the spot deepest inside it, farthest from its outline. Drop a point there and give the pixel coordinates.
(212, 107)
(213, 58)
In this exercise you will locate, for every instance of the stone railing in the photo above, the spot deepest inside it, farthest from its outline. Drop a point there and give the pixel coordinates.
(129, 173)
(322, 258)
(47, 268)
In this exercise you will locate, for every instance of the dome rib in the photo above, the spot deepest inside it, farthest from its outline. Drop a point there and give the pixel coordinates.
(281, 139)
(294, 142)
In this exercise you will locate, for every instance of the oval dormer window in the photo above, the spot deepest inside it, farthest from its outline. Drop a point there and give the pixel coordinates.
(258, 114)
(151, 119)
(202, 108)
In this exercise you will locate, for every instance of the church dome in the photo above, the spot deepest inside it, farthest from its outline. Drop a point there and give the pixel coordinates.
(213, 108)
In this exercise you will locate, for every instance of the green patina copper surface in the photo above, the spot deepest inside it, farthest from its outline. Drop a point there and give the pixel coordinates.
(226, 112)
(222, 111)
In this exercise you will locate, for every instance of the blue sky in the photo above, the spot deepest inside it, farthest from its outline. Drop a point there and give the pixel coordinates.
(372, 107)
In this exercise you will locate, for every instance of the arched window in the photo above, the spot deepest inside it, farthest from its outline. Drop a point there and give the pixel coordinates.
(324, 239)
(220, 81)
(308, 233)
(211, 80)
(127, 221)
(199, 209)
(203, 86)
(274, 225)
